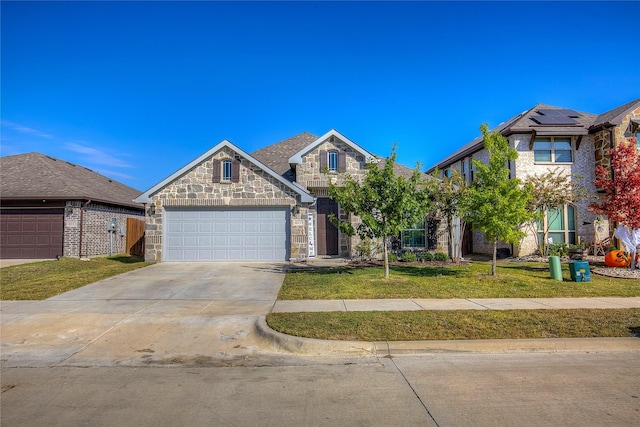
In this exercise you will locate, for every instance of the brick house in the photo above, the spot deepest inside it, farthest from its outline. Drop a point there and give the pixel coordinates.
(270, 205)
(50, 208)
(548, 137)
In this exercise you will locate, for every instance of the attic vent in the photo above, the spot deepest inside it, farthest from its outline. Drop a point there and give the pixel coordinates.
(55, 160)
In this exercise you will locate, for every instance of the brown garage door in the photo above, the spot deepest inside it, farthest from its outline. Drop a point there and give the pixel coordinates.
(31, 233)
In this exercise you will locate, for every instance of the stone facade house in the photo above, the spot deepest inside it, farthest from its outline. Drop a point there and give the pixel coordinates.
(270, 205)
(51, 208)
(548, 137)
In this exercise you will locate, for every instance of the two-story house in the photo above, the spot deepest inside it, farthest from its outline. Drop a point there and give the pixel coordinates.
(548, 137)
(270, 205)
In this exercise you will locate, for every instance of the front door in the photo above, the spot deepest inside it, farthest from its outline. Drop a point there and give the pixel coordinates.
(327, 232)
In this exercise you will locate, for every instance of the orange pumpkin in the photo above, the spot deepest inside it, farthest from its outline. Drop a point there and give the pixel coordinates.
(616, 258)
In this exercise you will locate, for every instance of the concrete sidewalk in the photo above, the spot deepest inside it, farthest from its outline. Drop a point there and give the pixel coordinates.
(453, 304)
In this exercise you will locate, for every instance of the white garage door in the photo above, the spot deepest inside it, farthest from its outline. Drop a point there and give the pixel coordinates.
(226, 235)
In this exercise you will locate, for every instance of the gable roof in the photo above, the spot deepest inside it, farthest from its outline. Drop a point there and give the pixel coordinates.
(37, 176)
(297, 157)
(614, 117)
(476, 144)
(572, 123)
(145, 197)
(276, 156)
(526, 122)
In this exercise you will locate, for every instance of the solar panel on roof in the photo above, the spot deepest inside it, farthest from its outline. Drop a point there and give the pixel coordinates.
(554, 120)
(558, 112)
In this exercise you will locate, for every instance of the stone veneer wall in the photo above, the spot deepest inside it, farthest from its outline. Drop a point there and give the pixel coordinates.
(309, 175)
(196, 188)
(96, 239)
(603, 143)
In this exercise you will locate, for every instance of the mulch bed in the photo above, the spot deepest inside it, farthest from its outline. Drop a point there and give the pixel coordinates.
(596, 265)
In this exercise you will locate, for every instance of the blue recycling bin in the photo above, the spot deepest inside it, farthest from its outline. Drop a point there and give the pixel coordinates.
(579, 271)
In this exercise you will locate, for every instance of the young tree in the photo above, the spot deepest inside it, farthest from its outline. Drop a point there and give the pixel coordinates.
(450, 197)
(498, 205)
(385, 203)
(550, 192)
(621, 199)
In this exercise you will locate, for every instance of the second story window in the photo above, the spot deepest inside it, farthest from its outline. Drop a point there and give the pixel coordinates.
(332, 161)
(226, 170)
(552, 150)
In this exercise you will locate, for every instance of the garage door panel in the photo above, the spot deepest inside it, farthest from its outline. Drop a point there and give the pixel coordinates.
(205, 227)
(205, 241)
(31, 233)
(236, 227)
(231, 235)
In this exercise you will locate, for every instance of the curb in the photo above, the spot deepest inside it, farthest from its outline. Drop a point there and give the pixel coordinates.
(310, 346)
(316, 347)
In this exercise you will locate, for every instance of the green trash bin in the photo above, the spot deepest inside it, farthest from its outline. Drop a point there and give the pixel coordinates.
(579, 271)
(555, 268)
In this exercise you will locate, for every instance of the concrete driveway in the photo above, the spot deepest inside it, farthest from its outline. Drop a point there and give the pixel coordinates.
(169, 313)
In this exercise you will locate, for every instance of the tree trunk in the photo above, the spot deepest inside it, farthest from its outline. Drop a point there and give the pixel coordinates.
(495, 257)
(386, 258)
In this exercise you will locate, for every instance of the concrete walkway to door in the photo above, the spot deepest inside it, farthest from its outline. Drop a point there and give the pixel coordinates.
(187, 313)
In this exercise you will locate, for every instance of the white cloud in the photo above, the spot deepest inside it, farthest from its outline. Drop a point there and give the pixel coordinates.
(113, 174)
(24, 129)
(97, 156)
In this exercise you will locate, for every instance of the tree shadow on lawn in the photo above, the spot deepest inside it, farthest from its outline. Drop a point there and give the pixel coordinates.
(425, 271)
(126, 259)
(415, 271)
(534, 268)
(322, 270)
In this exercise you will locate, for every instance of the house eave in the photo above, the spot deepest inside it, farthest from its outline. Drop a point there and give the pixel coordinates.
(146, 196)
(297, 158)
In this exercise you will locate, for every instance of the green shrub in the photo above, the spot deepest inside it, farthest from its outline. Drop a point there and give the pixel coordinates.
(409, 257)
(393, 258)
(558, 249)
(366, 249)
(441, 256)
(425, 256)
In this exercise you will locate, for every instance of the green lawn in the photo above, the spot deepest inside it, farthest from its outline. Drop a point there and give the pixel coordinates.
(514, 280)
(459, 324)
(41, 280)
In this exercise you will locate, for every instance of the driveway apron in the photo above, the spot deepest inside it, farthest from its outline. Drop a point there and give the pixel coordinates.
(167, 313)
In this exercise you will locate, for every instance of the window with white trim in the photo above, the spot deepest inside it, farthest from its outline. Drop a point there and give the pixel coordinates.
(332, 161)
(561, 225)
(226, 170)
(552, 149)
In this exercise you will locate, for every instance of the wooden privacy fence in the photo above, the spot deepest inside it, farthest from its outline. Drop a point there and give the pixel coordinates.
(135, 236)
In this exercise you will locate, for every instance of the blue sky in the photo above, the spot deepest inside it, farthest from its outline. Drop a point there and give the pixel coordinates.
(135, 90)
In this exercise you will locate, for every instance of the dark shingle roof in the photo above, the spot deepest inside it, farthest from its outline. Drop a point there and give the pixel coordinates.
(523, 123)
(35, 175)
(615, 116)
(527, 123)
(398, 169)
(276, 156)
